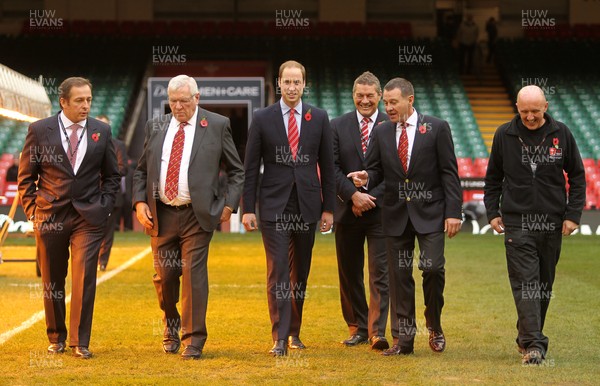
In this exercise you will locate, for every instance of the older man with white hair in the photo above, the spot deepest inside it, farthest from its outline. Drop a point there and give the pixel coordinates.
(179, 202)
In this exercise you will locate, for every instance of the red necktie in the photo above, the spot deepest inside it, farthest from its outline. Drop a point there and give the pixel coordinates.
(364, 134)
(403, 148)
(73, 140)
(293, 136)
(172, 182)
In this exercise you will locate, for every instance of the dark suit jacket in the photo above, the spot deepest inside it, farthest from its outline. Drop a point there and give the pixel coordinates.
(267, 140)
(348, 157)
(430, 191)
(212, 145)
(91, 192)
(122, 163)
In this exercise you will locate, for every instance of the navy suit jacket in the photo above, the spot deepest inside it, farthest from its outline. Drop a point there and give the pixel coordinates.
(348, 157)
(47, 182)
(429, 191)
(267, 141)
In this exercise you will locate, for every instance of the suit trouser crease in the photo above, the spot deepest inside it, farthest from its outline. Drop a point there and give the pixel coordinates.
(69, 229)
(181, 250)
(366, 320)
(431, 262)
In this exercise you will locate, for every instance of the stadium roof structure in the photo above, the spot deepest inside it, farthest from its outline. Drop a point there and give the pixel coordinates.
(22, 98)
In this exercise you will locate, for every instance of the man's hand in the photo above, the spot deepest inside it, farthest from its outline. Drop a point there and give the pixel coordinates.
(359, 178)
(226, 214)
(143, 214)
(497, 224)
(326, 222)
(249, 221)
(363, 201)
(357, 212)
(568, 227)
(452, 226)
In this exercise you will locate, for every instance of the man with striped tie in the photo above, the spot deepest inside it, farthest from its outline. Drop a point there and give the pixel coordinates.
(414, 155)
(293, 141)
(358, 219)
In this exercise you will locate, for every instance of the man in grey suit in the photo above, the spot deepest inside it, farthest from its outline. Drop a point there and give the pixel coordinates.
(358, 218)
(178, 200)
(68, 178)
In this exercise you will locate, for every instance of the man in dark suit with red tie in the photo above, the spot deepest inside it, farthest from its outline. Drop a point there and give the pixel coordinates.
(357, 218)
(68, 178)
(293, 140)
(414, 155)
(178, 200)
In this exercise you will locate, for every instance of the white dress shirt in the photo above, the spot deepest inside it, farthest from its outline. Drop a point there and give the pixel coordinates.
(65, 141)
(183, 192)
(372, 118)
(411, 129)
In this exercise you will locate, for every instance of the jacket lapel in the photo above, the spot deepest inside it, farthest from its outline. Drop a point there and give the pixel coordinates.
(91, 144)
(55, 136)
(279, 125)
(163, 125)
(199, 132)
(355, 134)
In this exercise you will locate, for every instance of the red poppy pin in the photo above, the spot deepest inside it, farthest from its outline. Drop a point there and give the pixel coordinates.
(308, 115)
(555, 142)
(96, 137)
(203, 122)
(424, 127)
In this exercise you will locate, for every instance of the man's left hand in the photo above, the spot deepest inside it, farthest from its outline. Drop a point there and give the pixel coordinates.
(568, 227)
(452, 226)
(226, 214)
(326, 222)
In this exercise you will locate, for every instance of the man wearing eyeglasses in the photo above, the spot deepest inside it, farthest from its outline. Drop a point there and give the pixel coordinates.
(178, 200)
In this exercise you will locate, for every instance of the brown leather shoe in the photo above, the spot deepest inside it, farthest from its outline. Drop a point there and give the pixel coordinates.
(437, 341)
(191, 352)
(398, 350)
(379, 342)
(171, 344)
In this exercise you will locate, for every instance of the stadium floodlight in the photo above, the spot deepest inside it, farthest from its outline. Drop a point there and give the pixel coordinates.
(22, 98)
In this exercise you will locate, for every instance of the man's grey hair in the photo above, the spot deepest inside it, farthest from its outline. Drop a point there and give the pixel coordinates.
(182, 81)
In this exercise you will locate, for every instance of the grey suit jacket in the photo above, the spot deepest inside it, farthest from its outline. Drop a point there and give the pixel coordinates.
(212, 145)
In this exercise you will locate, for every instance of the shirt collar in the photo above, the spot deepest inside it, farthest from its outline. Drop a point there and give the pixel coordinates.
(373, 117)
(285, 108)
(68, 123)
(412, 120)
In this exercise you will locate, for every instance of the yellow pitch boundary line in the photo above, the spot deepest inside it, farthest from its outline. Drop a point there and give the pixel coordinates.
(40, 314)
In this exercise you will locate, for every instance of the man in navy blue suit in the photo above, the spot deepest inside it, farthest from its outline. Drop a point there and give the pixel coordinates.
(414, 155)
(294, 142)
(357, 219)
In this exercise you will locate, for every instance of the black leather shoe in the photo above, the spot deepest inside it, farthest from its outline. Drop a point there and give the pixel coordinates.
(279, 348)
(82, 352)
(191, 352)
(57, 348)
(437, 341)
(171, 344)
(398, 350)
(354, 340)
(532, 357)
(295, 343)
(379, 342)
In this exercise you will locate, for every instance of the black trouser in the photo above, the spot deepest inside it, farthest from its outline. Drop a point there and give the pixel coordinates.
(531, 259)
(402, 285)
(349, 243)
